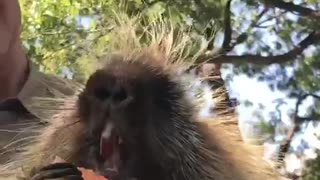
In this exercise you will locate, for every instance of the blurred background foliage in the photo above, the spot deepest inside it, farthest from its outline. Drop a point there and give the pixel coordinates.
(68, 33)
(273, 41)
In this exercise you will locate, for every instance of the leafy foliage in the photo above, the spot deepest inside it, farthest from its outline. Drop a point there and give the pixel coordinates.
(72, 33)
(312, 172)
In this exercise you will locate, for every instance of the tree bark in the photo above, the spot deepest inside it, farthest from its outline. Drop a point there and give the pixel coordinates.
(290, 6)
(311, 39)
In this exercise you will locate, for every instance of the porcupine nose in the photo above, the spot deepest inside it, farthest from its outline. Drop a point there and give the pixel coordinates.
(120, 96)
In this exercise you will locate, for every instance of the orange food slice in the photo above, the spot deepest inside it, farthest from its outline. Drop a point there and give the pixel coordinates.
(87, 174)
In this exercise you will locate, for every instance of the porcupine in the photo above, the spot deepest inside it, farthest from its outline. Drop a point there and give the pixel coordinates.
(133, 120)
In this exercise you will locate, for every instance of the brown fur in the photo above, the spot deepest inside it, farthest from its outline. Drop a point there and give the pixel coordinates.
(217, 153)
(236, 160)
(220, 154)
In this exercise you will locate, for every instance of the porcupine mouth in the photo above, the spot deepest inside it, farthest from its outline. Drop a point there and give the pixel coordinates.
(110, 151)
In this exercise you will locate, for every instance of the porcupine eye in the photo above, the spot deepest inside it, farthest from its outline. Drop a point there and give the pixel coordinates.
(102, 93)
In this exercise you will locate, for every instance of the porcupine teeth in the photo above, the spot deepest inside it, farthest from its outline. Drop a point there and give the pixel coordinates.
(106, 145)
(120, 141)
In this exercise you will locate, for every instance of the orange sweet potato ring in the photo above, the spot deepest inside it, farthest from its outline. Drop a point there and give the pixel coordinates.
(87, 174)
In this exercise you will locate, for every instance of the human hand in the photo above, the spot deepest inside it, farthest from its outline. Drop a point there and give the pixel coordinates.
(61, 169)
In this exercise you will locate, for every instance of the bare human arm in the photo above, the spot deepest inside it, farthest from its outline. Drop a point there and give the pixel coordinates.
(13, 62)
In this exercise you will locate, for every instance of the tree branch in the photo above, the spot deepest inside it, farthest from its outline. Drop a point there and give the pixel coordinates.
(314, 96)
(290, 6)
(312, 38)
(296, 127)
(304, 119)
(270, 18)
(227, 27)
(255, 22)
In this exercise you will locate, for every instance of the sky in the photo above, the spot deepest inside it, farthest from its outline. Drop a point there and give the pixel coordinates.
(244, 88)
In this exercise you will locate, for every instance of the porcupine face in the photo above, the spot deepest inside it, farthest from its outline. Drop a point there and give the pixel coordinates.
(121, 105)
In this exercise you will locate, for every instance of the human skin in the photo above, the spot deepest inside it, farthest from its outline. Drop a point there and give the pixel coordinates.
(13, 62)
